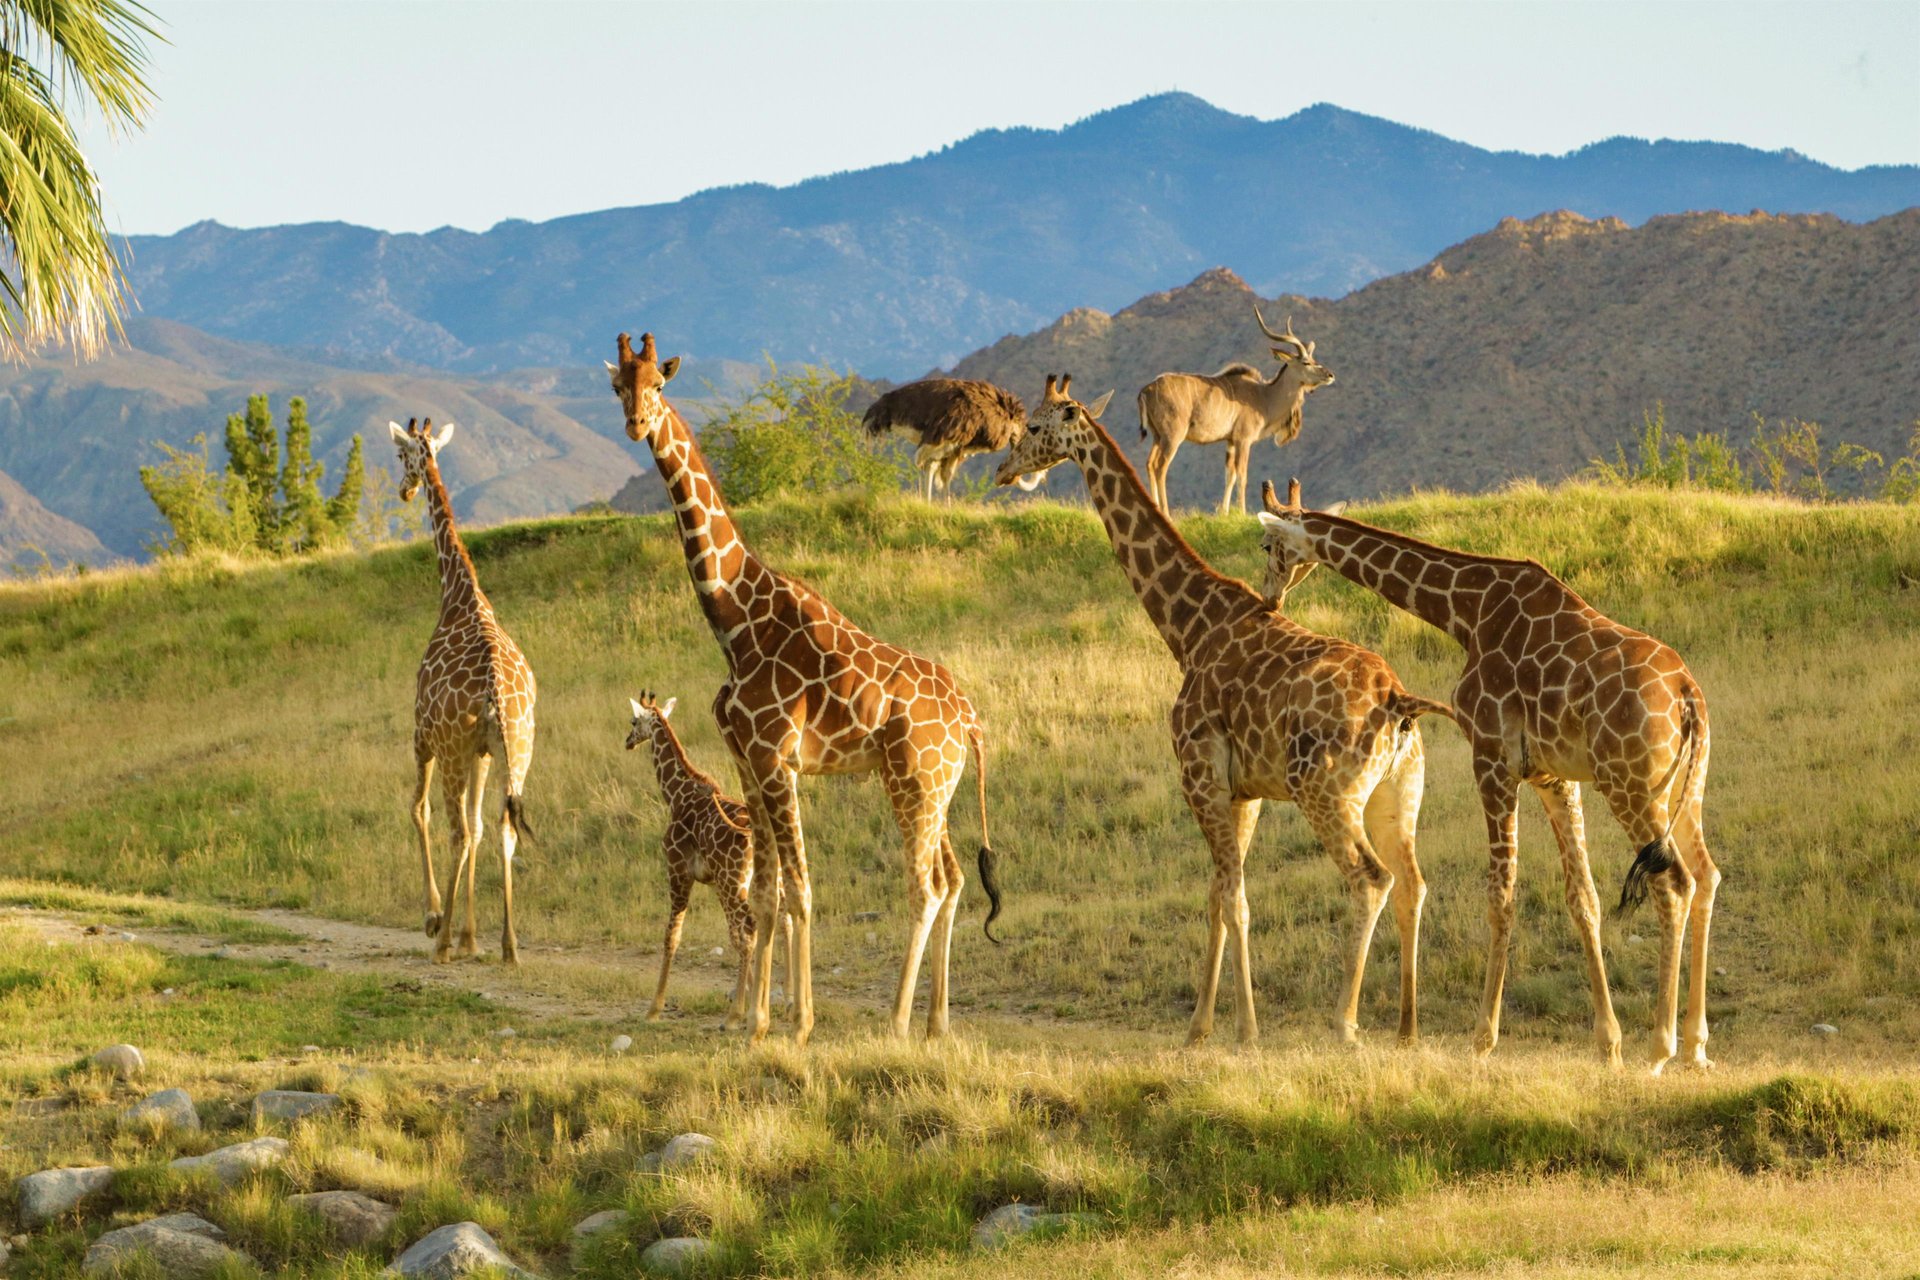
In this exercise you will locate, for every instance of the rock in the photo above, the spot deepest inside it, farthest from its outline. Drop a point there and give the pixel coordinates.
(866, 917)
(46, 1195)
(310, 1049)
(1720, 971)
(168, 1109)
(1011, 1221)
(1635, 939)
(182, 1244)
(223, 953)
(719, 951)
(505, 1033)
(1825, 1029)
(357, 1220)
(122, 1059)
(232, 1164)
(605, 1220)
(453, 1251)
(38, 1108)
(291, 1104)
(688, 1148)
(6, 1253)
(126, 937)
(675, 1255)
(648, 1163)
(622, 1043)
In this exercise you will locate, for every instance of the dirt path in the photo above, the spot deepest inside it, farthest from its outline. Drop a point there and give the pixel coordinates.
(611, 984)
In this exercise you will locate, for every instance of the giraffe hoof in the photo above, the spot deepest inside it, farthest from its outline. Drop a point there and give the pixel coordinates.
(1700, 1062)
(1197, 1038)
(442, 956)
(432, 924)
(653, 1015)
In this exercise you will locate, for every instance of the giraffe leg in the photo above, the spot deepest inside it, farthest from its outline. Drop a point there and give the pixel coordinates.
(787, 890)
(1562, 803)
(509, 841)
(453, 783)
(920, 815)
(1342, 831)
(680, 891)
(1392, 817)
(1227, 824)
(955, 879)
(1499, 801)
(1644, 816)
(422, 811)
(1706, 881)
(476, 796)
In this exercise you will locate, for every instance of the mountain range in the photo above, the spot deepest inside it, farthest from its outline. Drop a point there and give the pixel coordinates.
(897, 269)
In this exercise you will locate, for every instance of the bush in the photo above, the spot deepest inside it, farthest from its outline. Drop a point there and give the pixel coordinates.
(795, 434)
(1788, 459)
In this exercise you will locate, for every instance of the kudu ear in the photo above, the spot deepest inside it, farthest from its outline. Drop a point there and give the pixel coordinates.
(1099, 406)
(666, 708)
(671, 367)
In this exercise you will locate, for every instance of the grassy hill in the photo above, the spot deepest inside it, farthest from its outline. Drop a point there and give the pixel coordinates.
(230, 735)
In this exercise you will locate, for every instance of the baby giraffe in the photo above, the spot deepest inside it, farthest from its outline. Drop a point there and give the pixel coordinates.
(709, 840)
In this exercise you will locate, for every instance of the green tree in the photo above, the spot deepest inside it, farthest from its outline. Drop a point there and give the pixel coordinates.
(58, 271)
(309, 523)
(253, 458)
(204, 511)
(794, 434)
(343, 508)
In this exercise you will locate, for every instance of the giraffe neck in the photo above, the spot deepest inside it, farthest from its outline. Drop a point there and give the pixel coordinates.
(459, 585)
(725, 574)
(1182, 594)
(670, 764)
(1396, 568)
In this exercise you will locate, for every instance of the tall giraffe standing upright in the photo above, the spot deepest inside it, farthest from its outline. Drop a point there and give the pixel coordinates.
(1266, 710)
(1554, 694)
(473, 698)
(709, 840)
(810, 693)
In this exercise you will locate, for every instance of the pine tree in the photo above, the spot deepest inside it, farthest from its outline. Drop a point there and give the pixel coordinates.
(306, 522)
(253, 455)
(343, 508)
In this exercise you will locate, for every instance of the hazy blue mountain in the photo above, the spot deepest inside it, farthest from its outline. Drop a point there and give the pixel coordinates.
(897, 269)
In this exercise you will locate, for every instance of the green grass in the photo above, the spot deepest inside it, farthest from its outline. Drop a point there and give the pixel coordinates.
(223, 736)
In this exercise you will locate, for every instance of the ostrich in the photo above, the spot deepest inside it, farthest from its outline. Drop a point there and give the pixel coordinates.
(950, 420)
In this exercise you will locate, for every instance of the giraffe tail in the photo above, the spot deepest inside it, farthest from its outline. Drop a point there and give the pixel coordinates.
(988, 859)
(1408, 707)
(1657, 857)
(497, 742)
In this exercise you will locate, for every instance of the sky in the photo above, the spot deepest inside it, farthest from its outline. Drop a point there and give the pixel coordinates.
(418, 114)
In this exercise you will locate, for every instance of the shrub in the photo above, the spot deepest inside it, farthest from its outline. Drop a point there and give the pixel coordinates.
(795, 434)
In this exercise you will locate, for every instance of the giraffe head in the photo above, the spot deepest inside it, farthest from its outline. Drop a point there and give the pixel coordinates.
(639, 380)
(1058, 429)
(417, 444)
(648, 716)
(1295, 356)
(1290, 554)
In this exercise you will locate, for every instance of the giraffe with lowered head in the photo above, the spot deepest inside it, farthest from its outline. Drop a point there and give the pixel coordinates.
(709, 840)
(1267, 710)
(1554, 694)
(473, 700)
(808, 692)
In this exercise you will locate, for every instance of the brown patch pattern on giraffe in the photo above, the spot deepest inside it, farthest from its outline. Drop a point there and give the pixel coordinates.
(808, 692)
(1267, 711)
(473, 700)
(708, 840)
(1555, 694)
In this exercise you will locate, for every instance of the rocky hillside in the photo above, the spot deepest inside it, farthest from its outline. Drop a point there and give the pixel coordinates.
(893, 269)
(1530, 349)
(33, 537)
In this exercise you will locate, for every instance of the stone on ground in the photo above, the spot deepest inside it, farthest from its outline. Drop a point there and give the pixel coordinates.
(688, 1148)
(46, 1195)
(1825, 1029)
(674, 1256)
(450, 1252)
(357, 1220)
(122, 1059)
(234, 1163)
(182, 1244)
(168, 1109)
(291, 1104)
(622, 1043)
(605, 1220)
(1011, 1221)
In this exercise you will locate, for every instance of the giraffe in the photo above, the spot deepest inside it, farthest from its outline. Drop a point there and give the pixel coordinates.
(708, 840)
(473, 699)
(807, 693)
(1554, 694)
(1267, 710)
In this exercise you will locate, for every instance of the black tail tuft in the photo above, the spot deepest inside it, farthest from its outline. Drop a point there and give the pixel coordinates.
(1656, 857)
(518, 818)
(992, 886)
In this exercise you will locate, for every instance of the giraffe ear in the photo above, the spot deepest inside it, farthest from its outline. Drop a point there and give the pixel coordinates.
(666, 708)
(1333, 510)
(635, 704)
(611, 366)
(394, 429)
(1270, 520)
(671, 367)
(441, 437)
(1099, 406)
